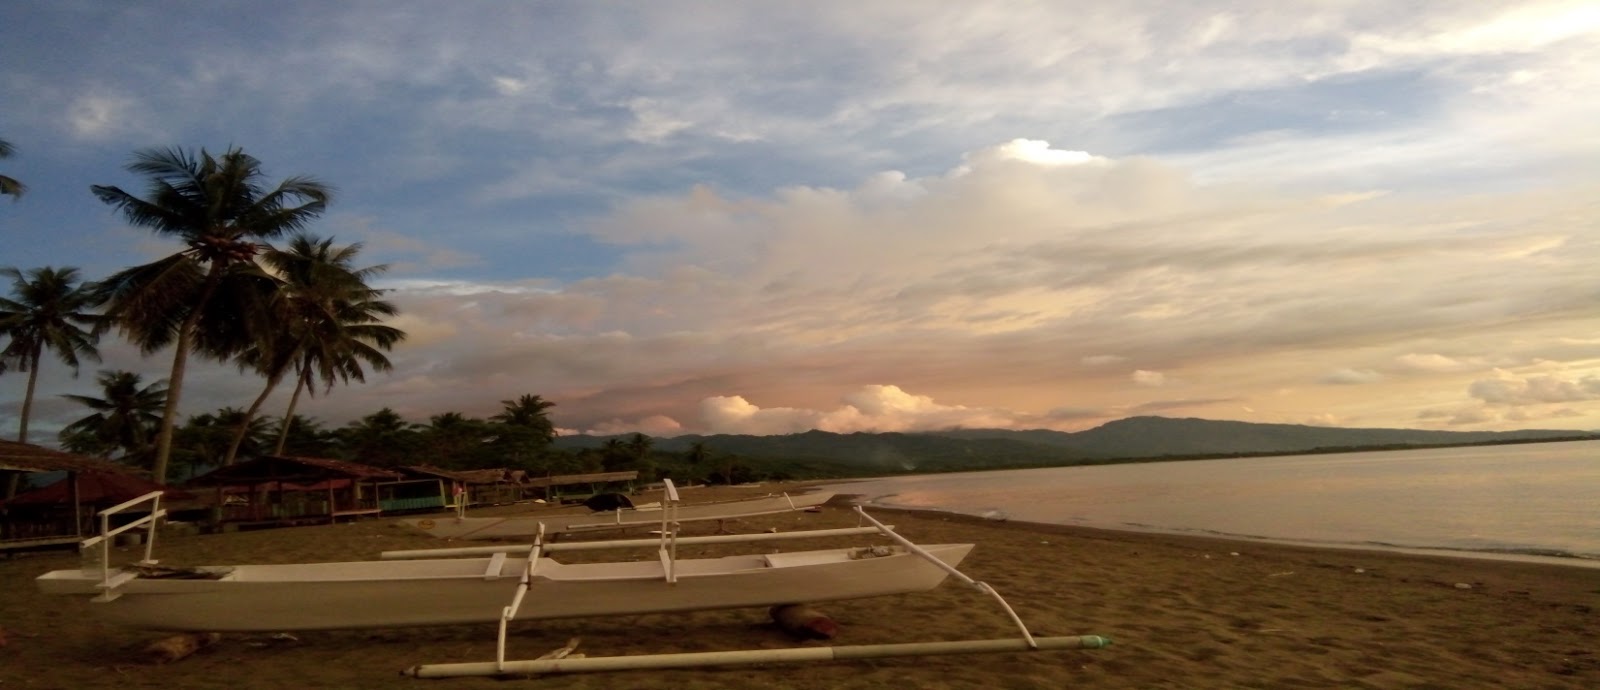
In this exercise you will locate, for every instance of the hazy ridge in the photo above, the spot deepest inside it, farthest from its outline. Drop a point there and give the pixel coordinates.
(1122, 440)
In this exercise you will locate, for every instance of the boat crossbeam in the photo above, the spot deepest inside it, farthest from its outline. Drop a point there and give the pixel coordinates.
(510, 612)
(752, 656)
(980, 586)
(519, 549)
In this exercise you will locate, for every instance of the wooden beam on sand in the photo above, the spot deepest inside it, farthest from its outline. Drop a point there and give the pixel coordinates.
(749, 657)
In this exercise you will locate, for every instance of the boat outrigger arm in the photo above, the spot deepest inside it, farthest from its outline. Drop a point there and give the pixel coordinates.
(667, 549)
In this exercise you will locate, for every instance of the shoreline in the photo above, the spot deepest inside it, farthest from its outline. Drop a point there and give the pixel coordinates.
(1578, 562)
(1223, 542)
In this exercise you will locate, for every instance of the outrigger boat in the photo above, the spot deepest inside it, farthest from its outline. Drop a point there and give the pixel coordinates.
(473, 585)
(434, 588)
(462, 527)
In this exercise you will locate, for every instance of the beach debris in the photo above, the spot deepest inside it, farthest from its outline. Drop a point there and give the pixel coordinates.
(564, 652)
(606, 502)
(1463, 585)
(283, 637)
(1282, 574)
(803, 622)
(1233, 553)
(169, 649)
(1360, 570)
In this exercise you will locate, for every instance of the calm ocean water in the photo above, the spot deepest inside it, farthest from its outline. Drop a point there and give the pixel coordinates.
(1531, 501)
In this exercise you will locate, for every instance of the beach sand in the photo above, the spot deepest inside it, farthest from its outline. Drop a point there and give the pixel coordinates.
(1184, 612)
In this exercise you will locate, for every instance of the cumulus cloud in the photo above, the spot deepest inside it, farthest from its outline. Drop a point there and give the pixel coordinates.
(874, 408)
(1434, 362)
(1152, 379)
(1018, 273)
(1507, 389)
(1348, 376)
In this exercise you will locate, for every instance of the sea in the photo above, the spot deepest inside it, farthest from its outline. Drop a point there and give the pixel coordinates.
(1530, 502)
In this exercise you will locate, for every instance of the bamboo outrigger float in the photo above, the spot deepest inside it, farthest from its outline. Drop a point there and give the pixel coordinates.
(486, 584)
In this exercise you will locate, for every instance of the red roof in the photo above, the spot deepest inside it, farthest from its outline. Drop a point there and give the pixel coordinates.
(26, 457)
(285, 469)
(96, 488)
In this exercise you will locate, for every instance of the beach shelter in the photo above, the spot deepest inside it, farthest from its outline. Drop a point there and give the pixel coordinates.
(574, 488)
(22, 527)
(286, 490)
(423, 487)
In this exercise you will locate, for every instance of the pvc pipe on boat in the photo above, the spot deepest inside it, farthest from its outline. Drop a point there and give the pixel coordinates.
(751, 656)
(981, 586)
(624, 543)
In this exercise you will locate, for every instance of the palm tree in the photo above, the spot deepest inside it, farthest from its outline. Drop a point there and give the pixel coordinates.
(325, 320)
(9, 186)
(333, 317)
(308, 438)
(528, 412)
(124, 419)
(204, 297)
(206, 439)
(382, 438)
(47, 311)
(456, 441)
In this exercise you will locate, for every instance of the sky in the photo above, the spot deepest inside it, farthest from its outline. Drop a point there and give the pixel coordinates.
(770, 217)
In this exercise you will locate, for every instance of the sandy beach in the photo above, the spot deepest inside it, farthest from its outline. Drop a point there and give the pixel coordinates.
(1184, 612)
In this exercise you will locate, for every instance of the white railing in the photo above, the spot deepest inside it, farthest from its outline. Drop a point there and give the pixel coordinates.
(109, 582)
(668, 550)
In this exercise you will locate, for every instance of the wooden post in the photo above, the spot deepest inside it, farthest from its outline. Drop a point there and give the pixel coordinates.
(77, 504)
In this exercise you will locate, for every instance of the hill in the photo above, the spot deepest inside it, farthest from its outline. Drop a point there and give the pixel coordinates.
(1135, 438)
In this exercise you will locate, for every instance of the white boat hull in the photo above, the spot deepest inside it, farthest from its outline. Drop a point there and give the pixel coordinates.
(382, 594)
(557, 523)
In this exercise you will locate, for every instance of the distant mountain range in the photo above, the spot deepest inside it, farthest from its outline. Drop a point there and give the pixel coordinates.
(1135, 438)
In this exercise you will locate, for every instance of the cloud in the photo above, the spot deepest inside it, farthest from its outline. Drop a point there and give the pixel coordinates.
(1000, 291)
(1434, 363)
(1151, 379)
(652, 124)
(1102, 360)
(1350, 377)
(874, 408)
(1507, 389)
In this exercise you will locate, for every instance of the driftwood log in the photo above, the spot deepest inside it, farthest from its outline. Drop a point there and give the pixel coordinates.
(169, 649)
(803, 622)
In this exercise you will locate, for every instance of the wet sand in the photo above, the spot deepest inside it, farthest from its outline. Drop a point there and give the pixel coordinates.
(1184, 612)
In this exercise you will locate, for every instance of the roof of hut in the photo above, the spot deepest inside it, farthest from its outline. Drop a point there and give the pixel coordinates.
(273, 468)
(26, 457)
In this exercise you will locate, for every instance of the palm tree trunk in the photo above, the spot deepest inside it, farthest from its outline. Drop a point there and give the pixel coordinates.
(169, 414)
(15, 480)
(27, 399)
(180, 360)
(301, 382)
(249, 416)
